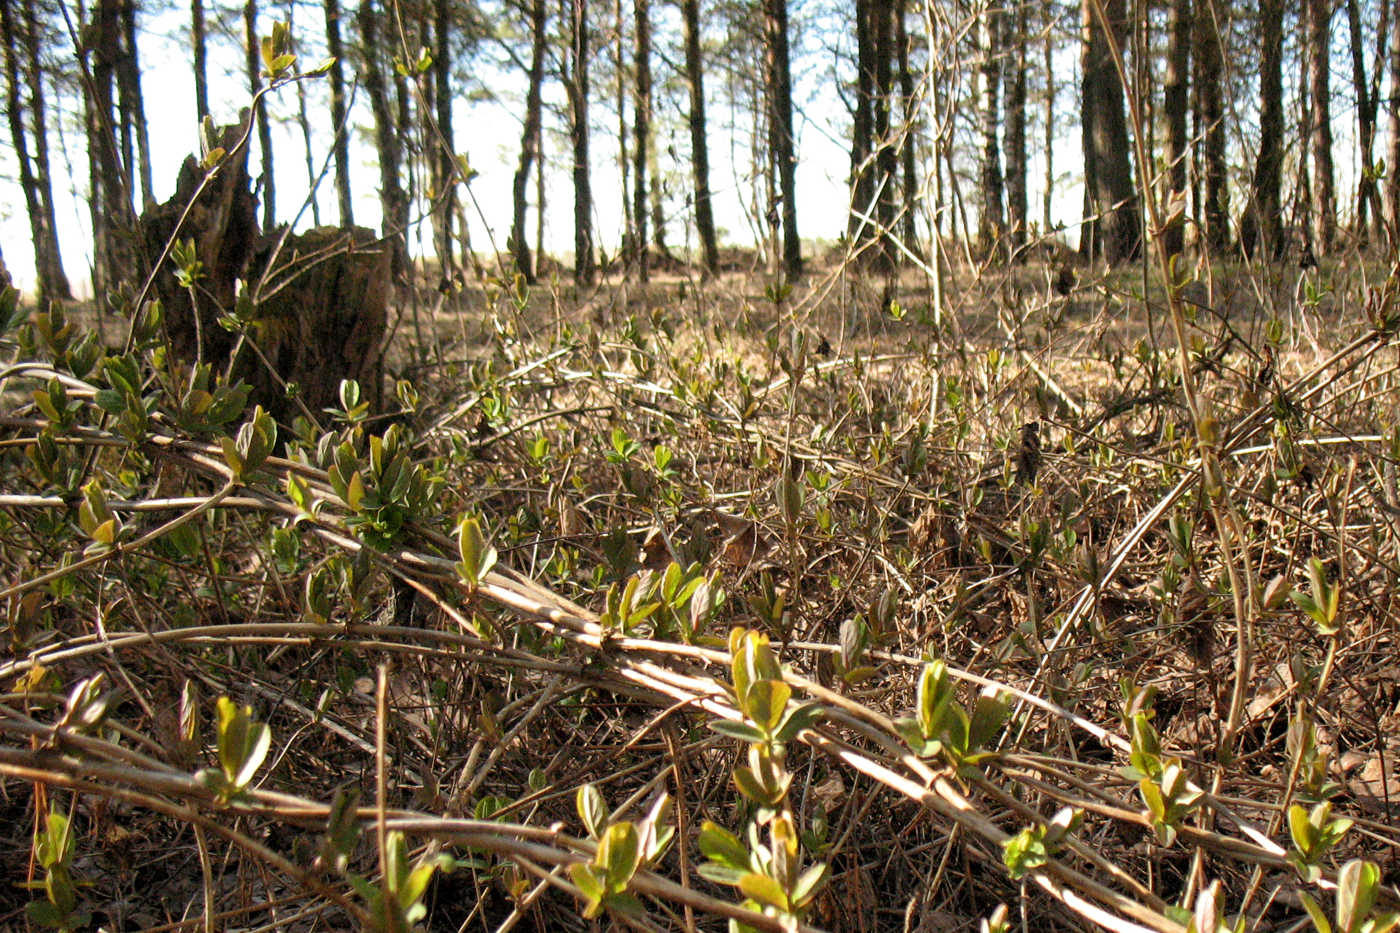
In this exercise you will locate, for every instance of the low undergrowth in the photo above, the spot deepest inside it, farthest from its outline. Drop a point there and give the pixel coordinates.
(715, 604)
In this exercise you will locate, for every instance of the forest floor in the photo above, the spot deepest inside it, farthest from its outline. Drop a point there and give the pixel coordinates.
(1010, 484)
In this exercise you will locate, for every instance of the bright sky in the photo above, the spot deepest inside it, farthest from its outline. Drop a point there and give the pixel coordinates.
(488, 131)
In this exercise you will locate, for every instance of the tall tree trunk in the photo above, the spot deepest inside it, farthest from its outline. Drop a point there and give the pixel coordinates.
(1324, 204)
(641, 137)
(38, 190)
(886, 154)
(441, 145)
(269, 188)
(1115, 226)
(1175, 103)
(1392, 186)
(907, 136)
(624, 161)
(393, 202)
(341, 144)
(1366, 124)
(577, 84)
(27, 182)
(1210, 17)
(1017, 207)
(699, 145)
(529, 141)
(992, 216)
(111, 203)
(780, 142)
(1048, 198)
(863, 124)
(201, 60)
(129, 79)
(1261, 233)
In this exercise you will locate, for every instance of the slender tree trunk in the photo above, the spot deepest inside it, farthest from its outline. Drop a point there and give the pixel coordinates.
(780, 141)
(1047, 200)
(35, 180)
(341, 144)
(201, 60)
(624, 160)
(863, 123)
(441, 143)
(641, 137)
(130, 81)
(112, 205)
(1017, 208)
(699, 145)
(1366, 124)
(529, 140)
(907, 136)
(886, 155)
(27, 182)
(577, 84)
(269, 188)
(1209, 20)
(1392, 185)
(992, 216)
(1175, 103)
(393, 202)
(1319, 67)
(1116, 227)
(1261, 233)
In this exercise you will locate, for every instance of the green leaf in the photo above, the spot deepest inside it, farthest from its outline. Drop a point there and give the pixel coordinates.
(1357, 884)
(590, 885)
(720, 845)
(764, 890)
(619, 852)
(736, 730)
(766, 703)
(592, 809)
(1315, 913)
(809, 883)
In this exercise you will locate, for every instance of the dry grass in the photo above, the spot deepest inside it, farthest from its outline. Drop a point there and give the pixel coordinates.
(468, 719)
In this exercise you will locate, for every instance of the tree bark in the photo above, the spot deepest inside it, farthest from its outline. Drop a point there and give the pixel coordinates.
(1366, 125)
(886, 154)
(624, 161)
(641, 135)
(38, 196)
(1047, 199)
(1017, 207)
(392, 199)
(341, 144)
(780, 142)
(1113, 228)
(1324, 204)
(53, 257)
(268, 180)
(529, 143)
(862, 125)
(577, 84)
(201, 60)
(129, 80)
(441, 142)
(992, 216)
(1175, 104)
(111, 206)
(1393, 163)
(907, 137)
(1210, 16)
(1261, 233)
(699, 145)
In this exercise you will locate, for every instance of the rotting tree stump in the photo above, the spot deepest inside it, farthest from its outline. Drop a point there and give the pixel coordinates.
(320, 299)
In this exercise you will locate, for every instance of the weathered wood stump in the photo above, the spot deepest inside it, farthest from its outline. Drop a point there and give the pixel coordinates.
(321, 297)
